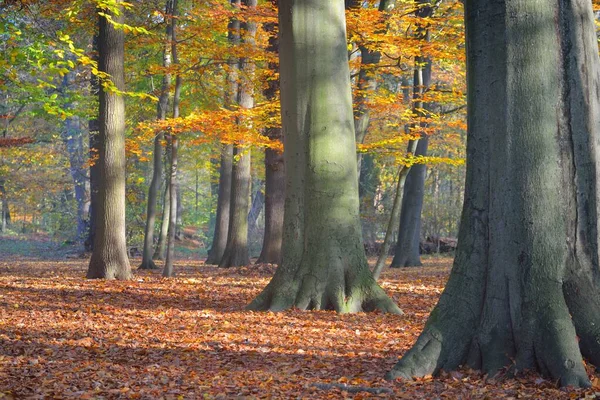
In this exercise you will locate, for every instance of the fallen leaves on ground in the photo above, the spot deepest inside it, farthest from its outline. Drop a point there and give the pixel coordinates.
(62, 336)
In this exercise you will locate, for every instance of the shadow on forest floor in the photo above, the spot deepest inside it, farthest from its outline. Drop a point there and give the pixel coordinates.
(189, 337)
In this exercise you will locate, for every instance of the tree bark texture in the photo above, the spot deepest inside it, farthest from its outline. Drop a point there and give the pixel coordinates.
(236, 251)
(223, 204)
(162, 109)
(324, 264)
(94, 149)
(523, 292)
(274, 176)
(109, 257)
(161, 246)
(407, 252)
(168, 270)
(226, 168)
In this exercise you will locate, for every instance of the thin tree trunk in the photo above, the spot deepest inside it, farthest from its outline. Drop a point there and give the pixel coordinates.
(173, 184)
(94, 151)
(161, 246)
(109, 258)
(236, 251)
(223, 204)
(274, 204)
(226, 168)
(163, 106)
(407, 253)
(403, 171)
(4, 212)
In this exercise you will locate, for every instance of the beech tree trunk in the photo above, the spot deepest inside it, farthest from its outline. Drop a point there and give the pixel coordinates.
(236, 251)
(162, 109)
(94, 149)
(109, 257)
(226, 168)
(367, 83)
(223, 204)
(274, 175)
(161, 246)
(523, 291)
(168, 270)
(324, 264)
(407, 252)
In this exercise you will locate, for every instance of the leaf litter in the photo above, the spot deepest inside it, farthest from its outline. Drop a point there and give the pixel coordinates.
(62, 336)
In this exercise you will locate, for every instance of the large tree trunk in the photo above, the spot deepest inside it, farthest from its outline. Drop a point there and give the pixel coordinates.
(162, 108)
(324, 264)
(223, 204)
(109, 257)
(236, 250)
(523, 290)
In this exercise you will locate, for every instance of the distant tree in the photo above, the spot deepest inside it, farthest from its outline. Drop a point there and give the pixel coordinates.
(236, 251)
(162, 111)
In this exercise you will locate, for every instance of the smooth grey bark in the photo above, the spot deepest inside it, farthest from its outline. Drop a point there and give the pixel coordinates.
(523, 292)
(256, 205)
(73, 138)
(236, 251)
(407, 252)
(4, 213)
(226, 168)
(403, 172)
(274, 174)
(274, 205)
(109, 258)
(94, 149)
(168, 270)
(161, 246)
(367, 189)
(162, 109)
(324, 264)
(223, 204)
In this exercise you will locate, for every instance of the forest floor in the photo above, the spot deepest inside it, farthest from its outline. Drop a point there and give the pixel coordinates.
(62, 336)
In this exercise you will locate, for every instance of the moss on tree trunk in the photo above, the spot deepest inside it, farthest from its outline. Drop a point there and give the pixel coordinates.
(523, 288)
(324, 264)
